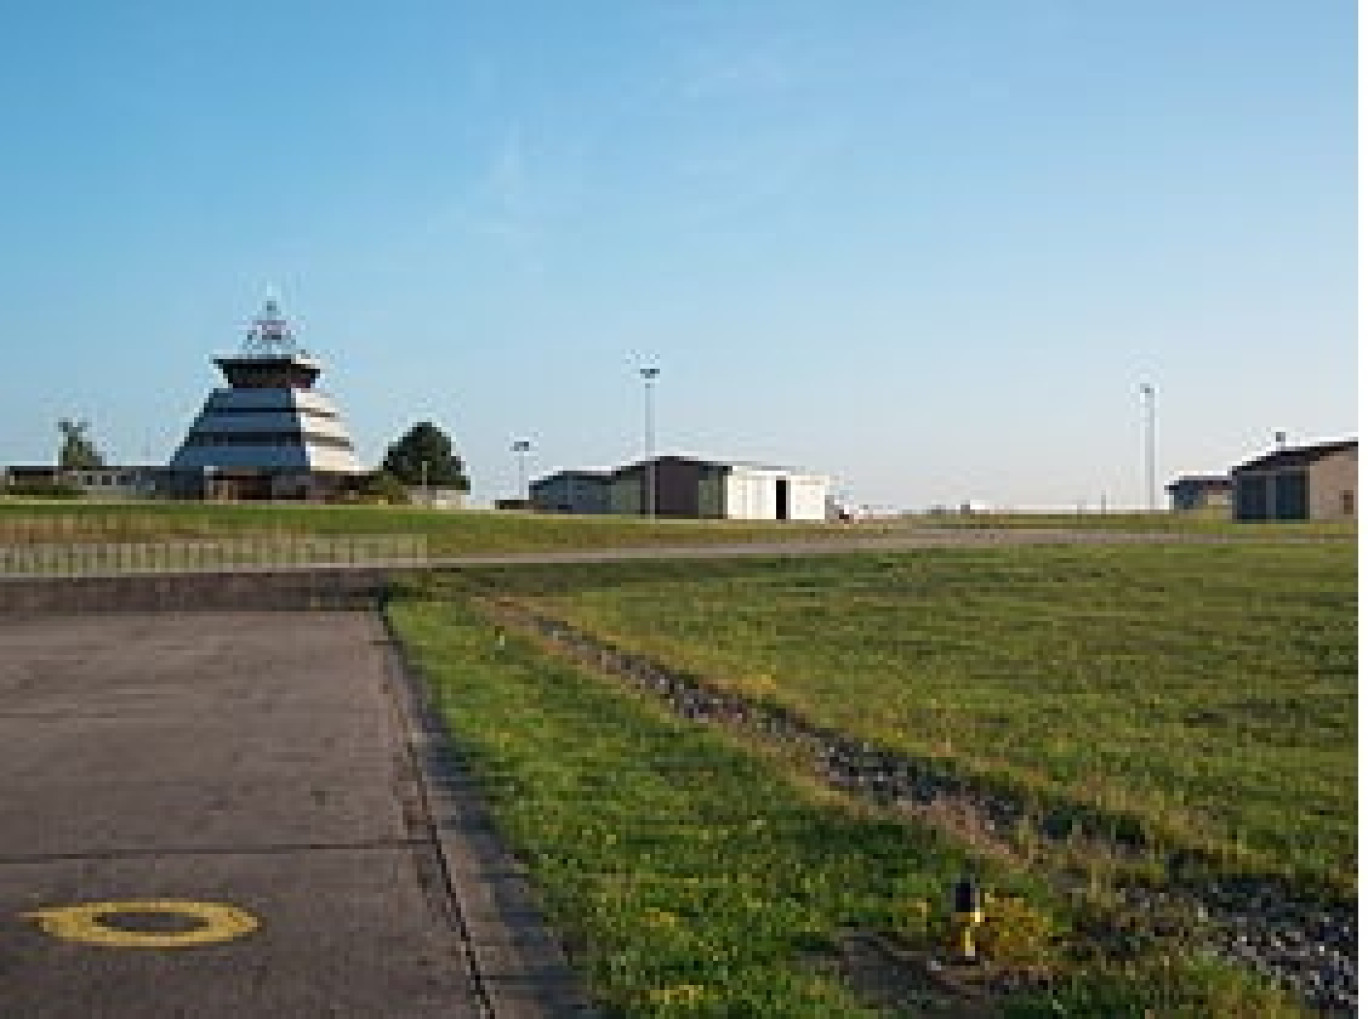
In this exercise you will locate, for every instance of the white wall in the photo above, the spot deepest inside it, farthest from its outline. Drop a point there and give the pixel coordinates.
(436, 498)
(750, 494)
(808, 496)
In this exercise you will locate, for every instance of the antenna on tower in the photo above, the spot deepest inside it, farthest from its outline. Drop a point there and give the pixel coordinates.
(271, 335)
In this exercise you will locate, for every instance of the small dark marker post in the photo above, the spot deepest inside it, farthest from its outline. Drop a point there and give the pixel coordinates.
(968, 915)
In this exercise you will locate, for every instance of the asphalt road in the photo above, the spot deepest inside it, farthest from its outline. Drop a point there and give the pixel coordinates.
(243, 787)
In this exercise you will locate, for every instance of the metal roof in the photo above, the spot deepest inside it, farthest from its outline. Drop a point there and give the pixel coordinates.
(1202, 480)
(701, 462)
(1300, 456)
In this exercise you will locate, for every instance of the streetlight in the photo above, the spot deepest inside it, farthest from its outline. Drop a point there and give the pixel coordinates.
(1147, 391)
(649, 375)
(522, 447)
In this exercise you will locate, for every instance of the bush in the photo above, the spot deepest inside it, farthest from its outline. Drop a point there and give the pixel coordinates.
(383, 487)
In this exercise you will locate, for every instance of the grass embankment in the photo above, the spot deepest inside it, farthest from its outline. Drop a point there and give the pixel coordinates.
(1203, 522)
(1207, 692)
(694, 876)
(448, 532)
(476, 531)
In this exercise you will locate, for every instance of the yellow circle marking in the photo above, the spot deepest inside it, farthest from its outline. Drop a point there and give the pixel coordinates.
(87, 922)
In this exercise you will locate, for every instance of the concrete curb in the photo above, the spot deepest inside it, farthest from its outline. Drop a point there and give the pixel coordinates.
(277, 589)
(519, 967)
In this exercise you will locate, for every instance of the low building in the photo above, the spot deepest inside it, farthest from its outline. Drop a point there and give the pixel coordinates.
(1195, 492)
(1318, 482)
(571, 492)
(118, 482)
(434, 497)
(679, 486)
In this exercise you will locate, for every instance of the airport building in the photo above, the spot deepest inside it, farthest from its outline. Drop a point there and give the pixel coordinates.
(268, 434)
(683, 486)
(1196, 492)
(1318, 482)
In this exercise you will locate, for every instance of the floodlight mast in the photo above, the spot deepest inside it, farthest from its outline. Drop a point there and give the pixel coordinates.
(522, 447)
(649, 374)
(1147, 391)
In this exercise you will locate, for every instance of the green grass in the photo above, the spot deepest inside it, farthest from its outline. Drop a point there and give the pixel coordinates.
(693, 876)
(1207, 691)
(448, 532)
(474, 531)
(1197, 522)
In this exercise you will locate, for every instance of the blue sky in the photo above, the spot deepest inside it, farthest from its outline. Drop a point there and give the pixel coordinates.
(930, 247)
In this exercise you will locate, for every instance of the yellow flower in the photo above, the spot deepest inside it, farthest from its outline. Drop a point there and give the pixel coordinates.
(678, 994)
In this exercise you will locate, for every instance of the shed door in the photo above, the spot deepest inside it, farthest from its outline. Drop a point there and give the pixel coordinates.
(781, 498)
(1291, 496)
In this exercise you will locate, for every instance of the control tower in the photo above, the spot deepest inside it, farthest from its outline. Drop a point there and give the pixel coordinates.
(269, 434)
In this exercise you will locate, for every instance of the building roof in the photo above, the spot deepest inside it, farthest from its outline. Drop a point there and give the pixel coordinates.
(37, 470)
(574, 474)
(1300, 456)
(701, 462)
(1201, 481)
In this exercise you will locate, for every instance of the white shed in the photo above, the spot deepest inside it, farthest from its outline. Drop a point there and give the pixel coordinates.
(774, 493)
(689, 487)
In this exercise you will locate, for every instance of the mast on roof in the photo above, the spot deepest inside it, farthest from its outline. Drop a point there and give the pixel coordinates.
(271, 335)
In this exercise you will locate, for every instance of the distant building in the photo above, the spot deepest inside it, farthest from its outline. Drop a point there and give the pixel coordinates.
(119, 482)
(678, 486)
(1318, 482)
(270, 434)
(434, 497)
(1194, 492)
(572, 492)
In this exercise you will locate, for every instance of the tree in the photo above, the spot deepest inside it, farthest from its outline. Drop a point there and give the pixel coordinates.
(424, 455)
(77, 452)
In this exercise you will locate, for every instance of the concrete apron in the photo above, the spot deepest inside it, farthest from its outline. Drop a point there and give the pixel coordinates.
(247, 813)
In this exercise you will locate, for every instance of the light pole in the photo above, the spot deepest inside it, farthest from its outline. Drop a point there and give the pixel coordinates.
(423, 472)
(522, 447)
(648, 376)
(1147, 391)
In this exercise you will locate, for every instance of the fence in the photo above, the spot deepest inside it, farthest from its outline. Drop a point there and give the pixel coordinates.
(210, 555)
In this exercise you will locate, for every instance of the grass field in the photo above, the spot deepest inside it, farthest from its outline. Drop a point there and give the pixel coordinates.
(453, 533)
(694, 876)
(448, 533)
(1208, 692)
(1205, 522)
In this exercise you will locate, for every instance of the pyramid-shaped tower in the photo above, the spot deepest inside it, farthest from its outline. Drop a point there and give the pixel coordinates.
(269, 434)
